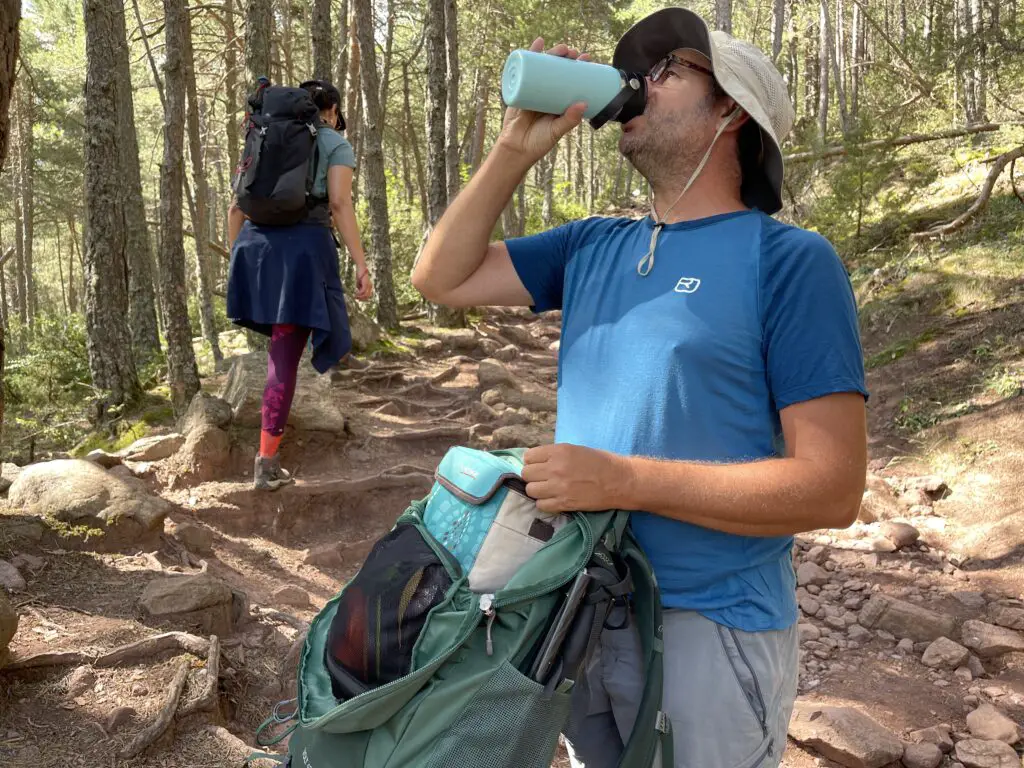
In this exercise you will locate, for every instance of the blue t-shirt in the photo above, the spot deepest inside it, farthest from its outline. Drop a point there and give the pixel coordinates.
(740, 317)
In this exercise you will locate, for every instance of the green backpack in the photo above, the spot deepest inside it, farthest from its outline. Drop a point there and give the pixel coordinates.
(469, 694)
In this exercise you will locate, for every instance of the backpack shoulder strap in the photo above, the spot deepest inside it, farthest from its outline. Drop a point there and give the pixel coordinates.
(650, 743)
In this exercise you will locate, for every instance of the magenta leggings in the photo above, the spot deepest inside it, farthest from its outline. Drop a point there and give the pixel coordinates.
(286, 345)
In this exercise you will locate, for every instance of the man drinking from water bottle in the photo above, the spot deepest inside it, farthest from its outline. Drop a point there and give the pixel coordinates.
(710, 377)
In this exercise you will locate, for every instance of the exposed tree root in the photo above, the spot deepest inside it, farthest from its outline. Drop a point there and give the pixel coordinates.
(137, 745)
(208, 697)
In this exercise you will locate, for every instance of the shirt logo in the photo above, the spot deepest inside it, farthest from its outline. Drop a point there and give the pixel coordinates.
(687, 285)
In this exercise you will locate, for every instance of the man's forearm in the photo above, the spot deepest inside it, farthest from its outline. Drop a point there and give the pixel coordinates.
(459, 241)
(774, 497)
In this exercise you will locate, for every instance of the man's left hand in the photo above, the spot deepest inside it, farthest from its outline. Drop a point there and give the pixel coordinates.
(571, 478)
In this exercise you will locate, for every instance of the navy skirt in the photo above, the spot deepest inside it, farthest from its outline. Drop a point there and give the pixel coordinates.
(282, 275)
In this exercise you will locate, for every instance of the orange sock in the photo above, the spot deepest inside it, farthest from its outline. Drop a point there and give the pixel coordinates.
(269, 444)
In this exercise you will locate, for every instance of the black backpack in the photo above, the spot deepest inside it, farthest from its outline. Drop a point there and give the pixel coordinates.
(274, 179)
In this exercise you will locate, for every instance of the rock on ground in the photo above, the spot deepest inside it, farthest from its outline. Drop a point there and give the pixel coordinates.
(978, 753)
(939, 735)
(921, 756)
(292, 595)
(989, 724)
(155, 448)
(879, 501)
(1009, 617)
(943, 653)
(845, 735)
(207, 453)
(188, 601)
(989, 641)
(906, 620)
(205, 410)
(79, 493)
(10, 578)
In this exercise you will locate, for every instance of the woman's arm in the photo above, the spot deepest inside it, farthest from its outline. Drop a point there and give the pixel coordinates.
(235, 221)
(343, 212)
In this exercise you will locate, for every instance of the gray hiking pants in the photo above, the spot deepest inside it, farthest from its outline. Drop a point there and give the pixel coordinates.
(729, 695)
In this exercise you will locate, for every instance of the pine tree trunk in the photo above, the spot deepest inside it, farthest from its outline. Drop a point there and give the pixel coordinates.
(723, 15)
(351, 107)
(628, 189)
(259, 25)
(139, 266)
(452, 110)
(521, 209)
(233, 120)
(903, 23)
(10, 13)
(20, 297)
(389, 44)
(26, 154)
(980, 64)
(376, 183)
(410, 127)
(201, 218)
(436, 107)
(323, 56)
(287, 49)
(72, 289)
(591, 176)
(183, 375)
(547, 211)
(341, 72)
(778, 26)
(837, 80)
(824, 43)
(480, 121)
(855, 47)
(106, 299)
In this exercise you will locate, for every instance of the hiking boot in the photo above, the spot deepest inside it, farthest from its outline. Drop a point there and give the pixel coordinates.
(352, 363)
(267, 474)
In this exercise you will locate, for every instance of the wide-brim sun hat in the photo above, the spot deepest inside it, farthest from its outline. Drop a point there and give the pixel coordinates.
(743, 72)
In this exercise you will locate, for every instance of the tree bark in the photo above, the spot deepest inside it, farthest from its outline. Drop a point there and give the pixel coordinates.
(352, 117)
(182, 372)
(723, 15)
(74, 250)
(385, 82)
(287, 52)
(779, 24)
(259, 24)
(323, 56)
(20, 298)
(201, 211)
(452, 111)
(139, 264)
(410, 126)
(436, 106)
(26, 173)
(10, 15)
(547, 211)
(980, 64)
(833, 59)
(480, 121)
(376, 182)
(855, 46)
(231, 100)
(824, 44)
(106, 300)
(341, 72)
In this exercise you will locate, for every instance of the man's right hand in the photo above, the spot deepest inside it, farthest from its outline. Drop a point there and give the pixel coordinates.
(531, 135)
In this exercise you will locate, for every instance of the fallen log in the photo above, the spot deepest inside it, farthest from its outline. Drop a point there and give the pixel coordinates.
(901, 141)
(979, 204)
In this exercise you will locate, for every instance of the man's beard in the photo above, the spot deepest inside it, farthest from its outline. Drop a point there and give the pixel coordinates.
(670, 145)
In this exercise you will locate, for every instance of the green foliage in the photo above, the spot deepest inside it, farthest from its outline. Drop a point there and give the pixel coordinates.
(54, 368)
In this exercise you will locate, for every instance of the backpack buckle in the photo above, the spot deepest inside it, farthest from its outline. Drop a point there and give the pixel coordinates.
(661, 723)
(312, 129)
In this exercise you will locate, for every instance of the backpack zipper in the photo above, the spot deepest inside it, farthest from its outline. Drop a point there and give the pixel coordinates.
(487, 606)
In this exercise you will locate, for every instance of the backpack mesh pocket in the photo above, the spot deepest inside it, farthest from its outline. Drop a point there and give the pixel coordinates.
(382, 612)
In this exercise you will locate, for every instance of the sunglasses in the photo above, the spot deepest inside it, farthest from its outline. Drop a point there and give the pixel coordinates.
(660, 70)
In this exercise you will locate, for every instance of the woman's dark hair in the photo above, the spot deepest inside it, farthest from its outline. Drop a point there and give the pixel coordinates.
(325, 96)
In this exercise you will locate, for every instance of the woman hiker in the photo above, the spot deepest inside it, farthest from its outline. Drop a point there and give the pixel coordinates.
(284, 281)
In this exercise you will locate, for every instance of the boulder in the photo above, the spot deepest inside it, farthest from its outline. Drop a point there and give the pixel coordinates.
(526, 436)
(989, 641)
(77, 497)
(939, 735)
(879, 502)
(921, 756)
(292, 595)
(507, 354)
(979, 753)
(1009, 617)
(80, 681)
(207, 453)
(989, 724)
(205, 410)
(492, 373)
(845, 735)
(943, 653)
(314, 408)
(190, 601)
(10, 578)
(8, 474)
(155, 448)
(900, 534)
(104, 459)
(905, 620)
(365, 331)
(811, 573)
(195, 538)
(8, 625)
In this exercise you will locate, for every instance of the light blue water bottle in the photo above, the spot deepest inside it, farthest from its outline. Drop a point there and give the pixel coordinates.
(540, 82)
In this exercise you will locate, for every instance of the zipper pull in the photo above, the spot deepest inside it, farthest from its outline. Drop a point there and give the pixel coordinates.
(487, 606)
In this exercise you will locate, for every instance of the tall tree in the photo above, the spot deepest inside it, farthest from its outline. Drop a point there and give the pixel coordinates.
(26, 185)
(723, 15)
(231, 90)
(201, 210)
(341, 72)
(451, 33)
(376, 182)
(824, 44)
(10, 15)
(182, 373)
(139, 265)
(323, 56)
(259, 24)
(778, 25)
(106, 299)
